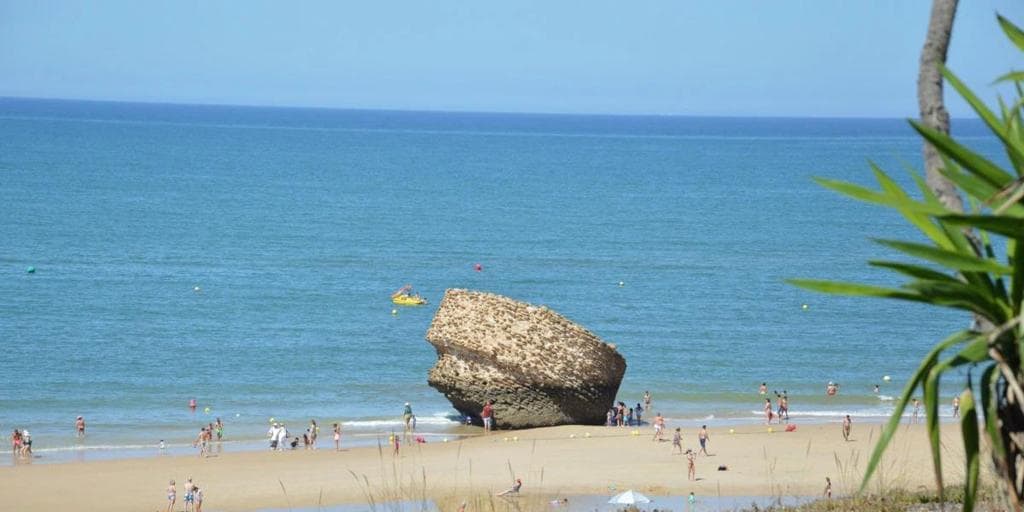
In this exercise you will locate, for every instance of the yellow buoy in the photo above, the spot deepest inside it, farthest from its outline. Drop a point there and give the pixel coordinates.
(770, 430)
(732, 431)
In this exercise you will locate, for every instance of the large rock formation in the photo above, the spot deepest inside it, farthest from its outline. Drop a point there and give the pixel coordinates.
(539, 368)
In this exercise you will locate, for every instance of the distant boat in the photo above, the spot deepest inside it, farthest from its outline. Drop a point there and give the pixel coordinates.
(404, 296)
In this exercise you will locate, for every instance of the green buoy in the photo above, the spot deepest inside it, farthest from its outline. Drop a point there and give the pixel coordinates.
(30, 270)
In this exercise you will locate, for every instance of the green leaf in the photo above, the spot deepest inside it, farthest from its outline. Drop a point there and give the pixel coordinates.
(901, 404)
(1017, 284)
(971, 161)
(853, 289)
(1013, 149)
(990, 401)
(1012, 227)
(949, 259)
(915, 271)
(922, 221)
(1012, 76)
(969, 431)
(931, 415)
(963, 296)
(871, 196)
(1014, 33)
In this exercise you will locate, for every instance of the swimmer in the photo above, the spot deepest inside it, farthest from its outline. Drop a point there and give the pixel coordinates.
(763, 390)
(192, 404)
(80, 426)
(877, 390)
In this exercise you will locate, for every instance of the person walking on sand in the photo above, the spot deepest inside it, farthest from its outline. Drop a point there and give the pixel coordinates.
(80, 426)
(691, 471)
(659, 427)
(396, 444)
(702, 436)
(828, 488)
(956, 407)
(488, 416)
(783, 406)
(337, 437)
(917, 411)
(768, 414)
(189, 495)
(172, 496)
(847, 426)
(677, 440)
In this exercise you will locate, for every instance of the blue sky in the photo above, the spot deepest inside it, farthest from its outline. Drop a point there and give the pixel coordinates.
(743, 57)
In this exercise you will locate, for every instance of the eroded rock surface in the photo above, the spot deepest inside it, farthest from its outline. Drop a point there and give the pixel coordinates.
(540, 368)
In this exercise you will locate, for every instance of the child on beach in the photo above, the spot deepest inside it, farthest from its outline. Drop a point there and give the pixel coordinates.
(172, 496)
(677, 440)
(768, 414)
(197, 494)
(337, 437)
(847, 426)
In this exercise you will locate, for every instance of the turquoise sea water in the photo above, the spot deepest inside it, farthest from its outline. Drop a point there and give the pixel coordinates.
(297, 224)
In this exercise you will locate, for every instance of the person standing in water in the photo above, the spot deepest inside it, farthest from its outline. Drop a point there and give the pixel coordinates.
(80, 426)
(956, 407)
(647, 400)
(407, 417)
(337, 437)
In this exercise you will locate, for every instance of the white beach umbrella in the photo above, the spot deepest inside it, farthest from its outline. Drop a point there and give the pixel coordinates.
(629, 497)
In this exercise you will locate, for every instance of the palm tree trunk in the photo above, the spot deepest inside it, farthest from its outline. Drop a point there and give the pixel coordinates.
(929, 97)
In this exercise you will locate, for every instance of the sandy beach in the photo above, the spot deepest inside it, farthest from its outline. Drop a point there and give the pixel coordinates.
(560, 461)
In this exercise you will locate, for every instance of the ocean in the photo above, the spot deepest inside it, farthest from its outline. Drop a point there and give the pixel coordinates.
(244, 257)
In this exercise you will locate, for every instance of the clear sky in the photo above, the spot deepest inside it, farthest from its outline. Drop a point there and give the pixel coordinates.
(713, 57)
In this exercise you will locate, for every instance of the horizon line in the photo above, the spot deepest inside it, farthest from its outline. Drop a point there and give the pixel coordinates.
(455, 111)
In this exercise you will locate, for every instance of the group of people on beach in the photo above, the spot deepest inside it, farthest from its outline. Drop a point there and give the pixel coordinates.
(193, 496)
(623, 416)
(21, 443)
(280, 438)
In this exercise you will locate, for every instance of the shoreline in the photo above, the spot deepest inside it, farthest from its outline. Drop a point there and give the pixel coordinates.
(562, 461)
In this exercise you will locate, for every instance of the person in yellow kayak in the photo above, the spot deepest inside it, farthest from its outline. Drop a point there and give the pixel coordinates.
(405, 295)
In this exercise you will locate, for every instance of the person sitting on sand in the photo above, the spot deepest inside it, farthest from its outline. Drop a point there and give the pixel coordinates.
(514, 490)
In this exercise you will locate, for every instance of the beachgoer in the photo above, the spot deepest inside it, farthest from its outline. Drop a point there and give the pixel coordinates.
(691, 471)
(337, 437)
(26, 443)
(691, 499)
(305, 440)
(956, 407)
(647, 400)
(564, 502)
(162, 446)
(16, 443)
(917, 411)
(172, 496)
(272, 434)
(703, 437)
(407, 416)
(282, 437)
(198, 493)
(629, 416)
(847, 426)
(190, 496)
(877, 390)
(763, 390)
(639, 410)
(831, 389)
(487, 415)
(621, 414)
(295, 443)
(677, 440)
(314, 432)
(512, 490)
(80, 426)
(783, 406)
(828, 488)
(610, 418)
(768, 414)
(192, 404)
(397, 444)
(219, 426)
(659, 427)
(200, 442)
